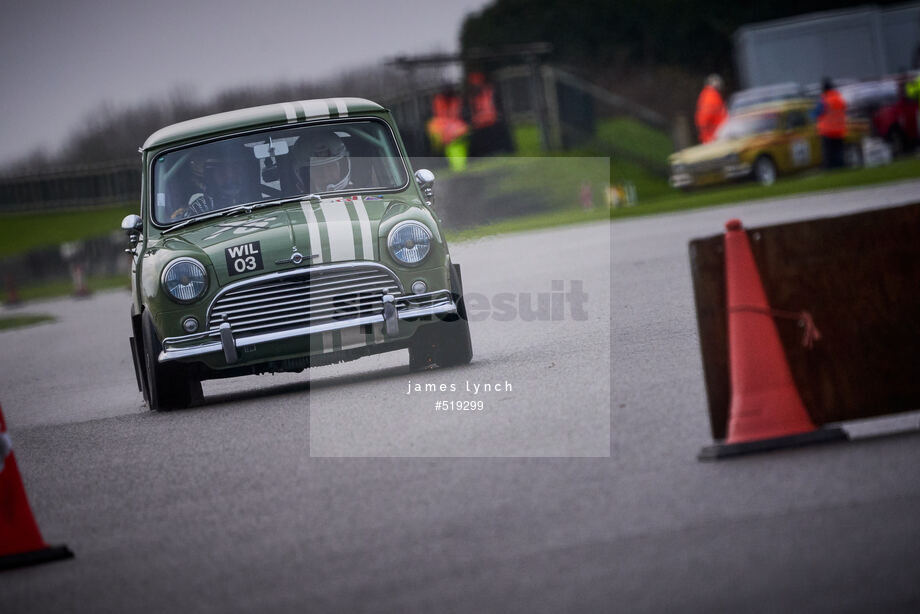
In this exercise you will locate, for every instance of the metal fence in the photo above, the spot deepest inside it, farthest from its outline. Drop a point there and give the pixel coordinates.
(72, 187)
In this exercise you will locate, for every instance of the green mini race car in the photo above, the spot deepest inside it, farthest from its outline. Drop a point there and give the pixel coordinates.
(281, 237)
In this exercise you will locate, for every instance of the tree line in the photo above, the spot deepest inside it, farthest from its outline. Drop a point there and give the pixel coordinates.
(113, 132)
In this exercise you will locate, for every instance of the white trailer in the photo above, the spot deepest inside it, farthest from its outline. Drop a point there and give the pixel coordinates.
(860, 43)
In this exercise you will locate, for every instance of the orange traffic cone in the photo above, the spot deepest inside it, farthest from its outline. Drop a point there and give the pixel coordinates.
(21, 542)
(766, 410)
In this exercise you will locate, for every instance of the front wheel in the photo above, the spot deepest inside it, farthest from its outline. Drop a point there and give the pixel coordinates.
(765, 171)
(445, 343)
(168, 386)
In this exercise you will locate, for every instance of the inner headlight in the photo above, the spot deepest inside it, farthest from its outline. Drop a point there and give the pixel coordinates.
(409, 242)
(185, 280)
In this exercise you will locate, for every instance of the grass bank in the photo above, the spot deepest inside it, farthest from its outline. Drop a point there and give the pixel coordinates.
(22, 232)
(23, 319)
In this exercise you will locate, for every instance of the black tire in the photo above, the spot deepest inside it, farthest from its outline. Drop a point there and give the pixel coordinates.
(445, 343)
(140, 370)
(765, 170)
(168, 386)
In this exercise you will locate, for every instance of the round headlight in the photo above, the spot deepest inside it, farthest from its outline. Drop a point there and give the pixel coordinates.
(185, 280)
(409, 242)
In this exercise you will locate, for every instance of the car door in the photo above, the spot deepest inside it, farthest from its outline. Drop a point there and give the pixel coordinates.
(802, 146)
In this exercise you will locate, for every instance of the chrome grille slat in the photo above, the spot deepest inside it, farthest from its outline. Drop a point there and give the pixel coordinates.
(306, 303)
(270, 290)
(234, 304)
(290, 323)
(291, 299)
(298, 281)
(263, 317)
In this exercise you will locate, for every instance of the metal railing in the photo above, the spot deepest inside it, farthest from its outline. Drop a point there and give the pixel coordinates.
(87, 185)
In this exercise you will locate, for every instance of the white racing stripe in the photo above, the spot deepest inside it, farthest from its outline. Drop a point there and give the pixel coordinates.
(289, 112)
(316, 246)
(340, 106)
(365, 224)
(314, 108)
(339, 229)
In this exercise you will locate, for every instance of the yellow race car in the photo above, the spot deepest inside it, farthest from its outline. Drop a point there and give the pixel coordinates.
(761, 142)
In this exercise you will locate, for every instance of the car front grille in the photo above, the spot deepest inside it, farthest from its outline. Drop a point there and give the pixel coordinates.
(309, 297)
(705, 166)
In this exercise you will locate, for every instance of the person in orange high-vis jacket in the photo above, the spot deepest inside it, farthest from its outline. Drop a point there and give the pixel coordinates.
(710, 109)
(831, 115)
(482, 101)
(489, 133)
(446, 128)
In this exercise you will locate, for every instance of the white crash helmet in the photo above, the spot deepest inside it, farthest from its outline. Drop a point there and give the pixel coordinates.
(314, 154)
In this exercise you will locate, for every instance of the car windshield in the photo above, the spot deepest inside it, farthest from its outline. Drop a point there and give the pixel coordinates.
(353, 156)
(740, 126)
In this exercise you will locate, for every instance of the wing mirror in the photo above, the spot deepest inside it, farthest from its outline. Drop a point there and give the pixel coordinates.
(132, 225)
(425, 180)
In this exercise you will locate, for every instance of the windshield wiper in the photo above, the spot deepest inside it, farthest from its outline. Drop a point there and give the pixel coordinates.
(247, 208)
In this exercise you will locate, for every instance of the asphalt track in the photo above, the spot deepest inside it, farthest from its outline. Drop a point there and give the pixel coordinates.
(577, 490)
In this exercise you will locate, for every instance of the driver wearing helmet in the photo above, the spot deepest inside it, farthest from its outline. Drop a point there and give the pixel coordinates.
(321, 163)
(220, 184)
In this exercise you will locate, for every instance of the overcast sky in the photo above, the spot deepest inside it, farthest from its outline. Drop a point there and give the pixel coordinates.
(62, 59)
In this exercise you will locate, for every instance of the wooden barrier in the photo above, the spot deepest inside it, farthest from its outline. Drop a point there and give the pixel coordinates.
(859, 277)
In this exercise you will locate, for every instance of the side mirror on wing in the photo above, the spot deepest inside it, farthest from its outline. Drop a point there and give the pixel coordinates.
(132, 225)
(425, 180)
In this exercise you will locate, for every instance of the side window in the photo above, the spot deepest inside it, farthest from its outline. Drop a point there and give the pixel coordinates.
(796, 120)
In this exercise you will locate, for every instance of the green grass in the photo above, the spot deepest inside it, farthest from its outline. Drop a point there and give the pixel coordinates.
(526, 140)
(24, 319)
(619, 134)
(21, 232)
(623, 133)
(56, 289)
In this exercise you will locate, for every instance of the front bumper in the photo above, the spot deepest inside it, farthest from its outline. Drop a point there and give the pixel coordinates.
(681, 180)
(737, 171)
(224, 340)
(709, 174)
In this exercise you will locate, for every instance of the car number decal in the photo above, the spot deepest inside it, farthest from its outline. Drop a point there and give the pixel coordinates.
(801, 152)
(244, 258)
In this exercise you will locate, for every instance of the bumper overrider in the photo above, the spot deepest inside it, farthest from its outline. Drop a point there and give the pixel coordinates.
(302, 302)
